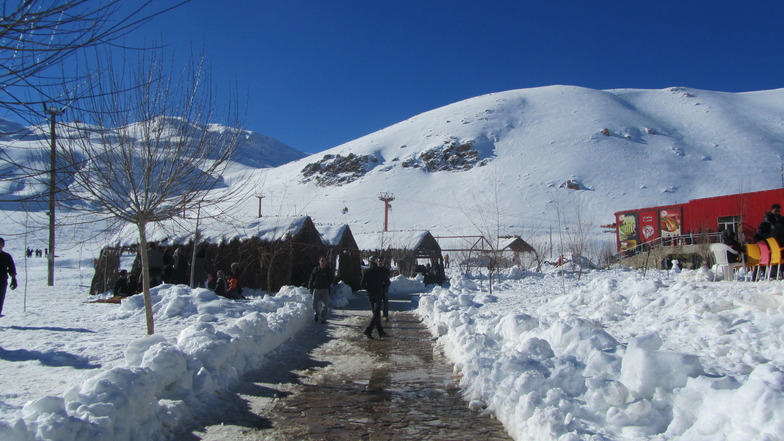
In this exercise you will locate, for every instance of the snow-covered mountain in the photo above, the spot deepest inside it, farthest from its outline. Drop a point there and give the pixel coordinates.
(30, 146)
(520, 162)
(523, 159)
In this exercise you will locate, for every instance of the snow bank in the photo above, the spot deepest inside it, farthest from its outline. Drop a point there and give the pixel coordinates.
(586, 365)
(167, 381)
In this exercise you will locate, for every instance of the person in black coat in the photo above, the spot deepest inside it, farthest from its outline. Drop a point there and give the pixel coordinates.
(728, 238)
(220, 285)
(382, 263)
(7, 268)
(375, 281)
(770, 225)
(122, 287)
(321, 280)
(178, 269)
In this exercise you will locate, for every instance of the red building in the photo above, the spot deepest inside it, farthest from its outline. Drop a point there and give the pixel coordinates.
(740, 212)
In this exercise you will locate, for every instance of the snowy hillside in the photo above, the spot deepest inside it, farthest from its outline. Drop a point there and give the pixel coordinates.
(512, 156)
(519, 162)
(30, 146)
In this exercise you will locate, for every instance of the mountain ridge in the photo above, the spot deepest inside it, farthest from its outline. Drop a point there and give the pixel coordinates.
(528, 161)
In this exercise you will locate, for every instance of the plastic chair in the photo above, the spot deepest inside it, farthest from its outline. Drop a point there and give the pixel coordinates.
(764, 258)
(775, 255)
(752, 259)
(727, 268)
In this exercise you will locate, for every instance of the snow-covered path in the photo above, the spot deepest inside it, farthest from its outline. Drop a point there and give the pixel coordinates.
(333, 383)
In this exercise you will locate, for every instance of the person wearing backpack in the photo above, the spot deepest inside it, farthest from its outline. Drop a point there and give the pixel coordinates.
(319, 285)
(375, 281)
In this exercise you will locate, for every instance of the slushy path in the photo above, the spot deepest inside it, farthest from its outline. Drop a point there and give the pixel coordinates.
(335, 384)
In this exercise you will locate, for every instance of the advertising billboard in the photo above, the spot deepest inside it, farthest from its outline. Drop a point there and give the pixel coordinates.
(671, 221)
(627, 231)
(649, 225)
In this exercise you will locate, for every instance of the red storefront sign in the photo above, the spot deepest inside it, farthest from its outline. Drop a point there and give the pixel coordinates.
(649, 226)
(670, 220)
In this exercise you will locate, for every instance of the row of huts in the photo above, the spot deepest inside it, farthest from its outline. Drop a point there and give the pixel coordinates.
(277, 251)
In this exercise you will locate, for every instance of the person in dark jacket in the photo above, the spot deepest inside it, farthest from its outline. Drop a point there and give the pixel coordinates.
(155, 259)
(201, 273)
(122, 287)
(382, 263)
(7, 268)
(177, 269)
(321, 280)
(220, 285)
(375, 280)
(728, 238)
(770, 225)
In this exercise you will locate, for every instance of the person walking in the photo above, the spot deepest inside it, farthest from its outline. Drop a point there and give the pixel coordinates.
(7, 268)
(321, 280)
(155, 260)
(382, 263)
(375, 281)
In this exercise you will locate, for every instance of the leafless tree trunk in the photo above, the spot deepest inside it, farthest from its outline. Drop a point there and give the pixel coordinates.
(148, 155)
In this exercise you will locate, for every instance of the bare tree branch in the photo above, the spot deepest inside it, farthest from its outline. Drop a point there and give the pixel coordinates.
(148, 154)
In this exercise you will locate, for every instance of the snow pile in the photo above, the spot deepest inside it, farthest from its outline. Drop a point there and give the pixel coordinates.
(167, 380)
(615, 356)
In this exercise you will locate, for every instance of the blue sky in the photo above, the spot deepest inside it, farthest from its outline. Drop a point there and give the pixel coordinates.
(315, 74)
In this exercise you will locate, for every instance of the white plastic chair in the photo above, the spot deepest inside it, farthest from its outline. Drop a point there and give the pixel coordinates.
(723, 264)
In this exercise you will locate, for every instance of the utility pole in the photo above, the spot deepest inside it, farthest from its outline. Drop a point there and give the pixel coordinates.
(260, 196)
(53, 112)
(387, 198)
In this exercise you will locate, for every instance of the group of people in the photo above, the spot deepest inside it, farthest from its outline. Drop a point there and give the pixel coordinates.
(228, 285)
(175, 269)
(37, 252)
(375, 280)
(772, 225)
(165, 268)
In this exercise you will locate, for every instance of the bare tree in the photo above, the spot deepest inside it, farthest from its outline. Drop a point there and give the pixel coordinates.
(488, 220)
(38, 35)
(148, 155)
(578, 237)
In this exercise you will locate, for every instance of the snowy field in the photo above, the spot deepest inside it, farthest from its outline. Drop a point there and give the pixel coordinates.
(613, 356)
(73, 370)
(619, 357)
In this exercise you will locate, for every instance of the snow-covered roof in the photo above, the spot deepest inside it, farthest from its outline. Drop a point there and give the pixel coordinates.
(332, 234)
(215, 230)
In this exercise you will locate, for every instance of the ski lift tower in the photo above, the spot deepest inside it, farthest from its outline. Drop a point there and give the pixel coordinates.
(387, 198)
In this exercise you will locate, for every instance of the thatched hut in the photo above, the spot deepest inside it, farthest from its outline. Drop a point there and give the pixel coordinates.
(271, 252)
(343, 254)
